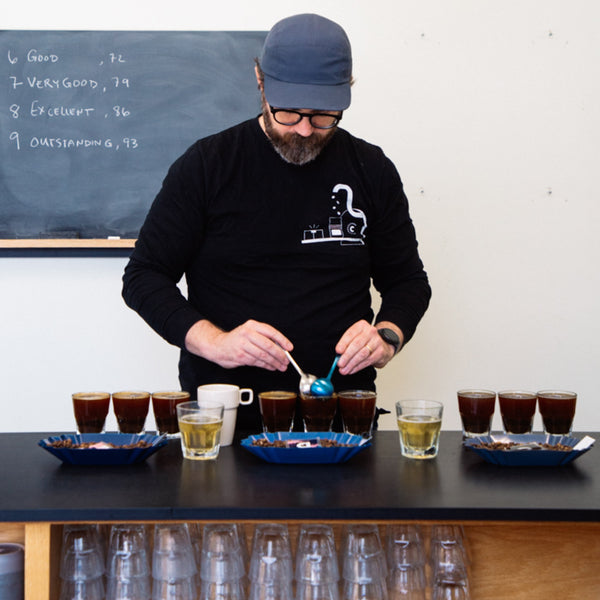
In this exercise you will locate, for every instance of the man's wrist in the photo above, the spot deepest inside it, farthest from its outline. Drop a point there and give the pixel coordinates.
(391, 337)
(200, 338)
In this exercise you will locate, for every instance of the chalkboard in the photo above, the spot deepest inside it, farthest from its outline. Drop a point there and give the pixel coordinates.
(91, 120)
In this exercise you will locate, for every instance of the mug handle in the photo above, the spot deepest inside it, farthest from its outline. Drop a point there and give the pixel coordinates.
(250, 396)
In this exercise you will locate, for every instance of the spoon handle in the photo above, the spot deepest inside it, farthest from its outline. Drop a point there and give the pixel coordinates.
(294, 363)
(333, 366)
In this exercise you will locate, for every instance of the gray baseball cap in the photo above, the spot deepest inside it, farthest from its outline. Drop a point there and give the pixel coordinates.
(307, 62)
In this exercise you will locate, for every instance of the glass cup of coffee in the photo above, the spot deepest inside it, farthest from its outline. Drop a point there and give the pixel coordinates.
(357, 409)
(476, 409)
(164, 406)
(90, 410)
(277, 409)
(517, 408)
(200, 424)
(131, 409)
(419, 426)
(557, 408)
(318, 411)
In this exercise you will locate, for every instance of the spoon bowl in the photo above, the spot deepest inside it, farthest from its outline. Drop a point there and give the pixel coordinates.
(323, 386)
(306, 382)
(306, 379)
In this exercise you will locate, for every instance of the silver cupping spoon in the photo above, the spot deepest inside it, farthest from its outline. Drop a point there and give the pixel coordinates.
(306, 379)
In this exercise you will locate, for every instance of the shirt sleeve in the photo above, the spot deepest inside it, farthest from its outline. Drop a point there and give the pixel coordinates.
(397, 269)
(168, 239)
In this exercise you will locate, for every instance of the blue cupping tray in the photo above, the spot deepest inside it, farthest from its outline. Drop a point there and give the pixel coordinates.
(522, 455)
(104, 456)
(309, 451)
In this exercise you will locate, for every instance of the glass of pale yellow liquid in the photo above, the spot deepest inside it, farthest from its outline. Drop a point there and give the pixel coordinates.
(419, 425)
(200, 425)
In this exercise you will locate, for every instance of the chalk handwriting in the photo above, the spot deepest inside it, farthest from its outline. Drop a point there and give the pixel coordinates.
(34, 56)
(38, 110)
(42, 73)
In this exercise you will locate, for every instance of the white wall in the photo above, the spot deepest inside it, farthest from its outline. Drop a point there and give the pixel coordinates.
(489, 110)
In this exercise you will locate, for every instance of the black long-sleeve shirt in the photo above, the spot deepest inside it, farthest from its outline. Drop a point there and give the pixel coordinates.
(292, 246)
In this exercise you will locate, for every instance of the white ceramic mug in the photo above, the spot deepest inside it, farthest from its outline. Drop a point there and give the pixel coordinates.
(231, 396)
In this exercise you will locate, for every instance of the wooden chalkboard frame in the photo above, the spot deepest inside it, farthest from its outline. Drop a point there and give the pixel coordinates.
(216, 56)
(88, 243)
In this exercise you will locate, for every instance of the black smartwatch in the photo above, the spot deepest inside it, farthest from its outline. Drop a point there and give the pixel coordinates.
(390, 337)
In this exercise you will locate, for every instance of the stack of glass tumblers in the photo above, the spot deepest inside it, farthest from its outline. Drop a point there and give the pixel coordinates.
(310, 561)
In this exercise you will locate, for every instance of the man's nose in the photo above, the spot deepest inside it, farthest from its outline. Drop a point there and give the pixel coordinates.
(304, 128)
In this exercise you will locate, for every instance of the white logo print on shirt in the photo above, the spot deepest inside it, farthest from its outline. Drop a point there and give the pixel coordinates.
(347, 224)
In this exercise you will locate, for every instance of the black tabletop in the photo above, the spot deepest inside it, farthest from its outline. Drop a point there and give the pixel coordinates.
(378, 483)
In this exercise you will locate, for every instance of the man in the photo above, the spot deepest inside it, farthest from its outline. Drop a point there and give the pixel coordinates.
(279, 224)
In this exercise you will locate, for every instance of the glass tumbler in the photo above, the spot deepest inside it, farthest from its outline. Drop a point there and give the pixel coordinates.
(271, 568)
(419, 426)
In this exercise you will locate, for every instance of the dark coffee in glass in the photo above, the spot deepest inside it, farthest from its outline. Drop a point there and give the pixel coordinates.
(90, 410)
(476, 409)
(357, 409)
(131, 409)
(557, 408)
(517, 409)
(277, 409)
(318, 411)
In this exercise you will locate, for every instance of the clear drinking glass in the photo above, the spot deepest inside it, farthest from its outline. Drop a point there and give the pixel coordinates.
(273, 591)
(405, 546)
(352, 590)
(324, 591)
(222, 559)
(127, 552)
(450, 591)
(406, 557)
(181, 589)
(200, 424)
(316, 557)
(231, 590)
(363, 540)
(271, 569)
(407, 583)
(133, 588)
(173, 555)
(82, 555)
(364, 566)
(82, 589)
(449, 562)
(419, 426)
(454, 539)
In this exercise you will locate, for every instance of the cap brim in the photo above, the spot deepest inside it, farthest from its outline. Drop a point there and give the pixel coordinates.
(282, 94)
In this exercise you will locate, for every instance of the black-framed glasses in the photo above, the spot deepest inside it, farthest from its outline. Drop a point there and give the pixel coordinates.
(285, 116)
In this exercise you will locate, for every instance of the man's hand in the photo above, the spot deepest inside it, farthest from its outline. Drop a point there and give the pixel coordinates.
(361, 346)
(252, 344)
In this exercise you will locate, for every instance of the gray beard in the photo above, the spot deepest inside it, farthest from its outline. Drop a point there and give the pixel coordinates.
(293, 148)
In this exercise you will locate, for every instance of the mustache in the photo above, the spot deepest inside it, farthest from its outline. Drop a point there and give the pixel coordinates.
(297, 149)
(293, 147)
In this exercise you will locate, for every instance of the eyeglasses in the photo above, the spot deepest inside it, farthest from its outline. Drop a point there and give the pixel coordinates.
(285, 116)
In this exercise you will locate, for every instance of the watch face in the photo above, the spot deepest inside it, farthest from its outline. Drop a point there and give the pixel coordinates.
(389, 336)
